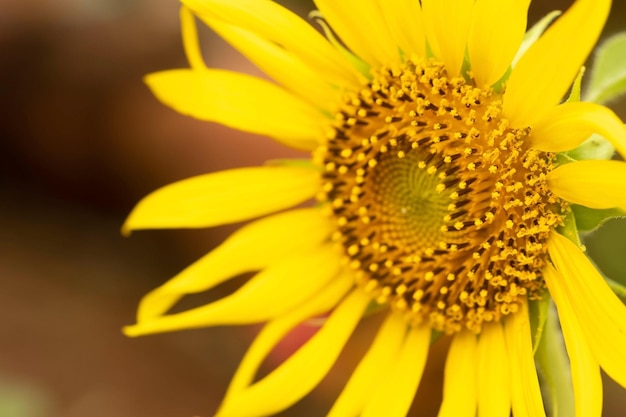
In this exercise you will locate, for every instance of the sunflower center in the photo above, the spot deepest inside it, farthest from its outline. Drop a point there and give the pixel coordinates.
(441, 208)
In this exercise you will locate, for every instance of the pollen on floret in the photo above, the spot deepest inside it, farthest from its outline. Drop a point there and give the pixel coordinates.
(441, 208)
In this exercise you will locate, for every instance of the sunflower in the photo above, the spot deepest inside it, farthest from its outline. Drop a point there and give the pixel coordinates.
(442, 191)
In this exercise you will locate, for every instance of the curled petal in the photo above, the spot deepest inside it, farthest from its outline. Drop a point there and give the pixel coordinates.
(302, 371)
(280, 64)
(190, 39)
(275, 330)
(600, 313)
(241, 102)
(372, 368)
(375, 44)
(566, 126)
(281, 26)
(253, 247)
(546, 71)
(267, 295)
(395, 393)
(586, 378)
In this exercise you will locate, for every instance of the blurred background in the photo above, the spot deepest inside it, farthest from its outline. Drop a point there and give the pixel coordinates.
(81, 141)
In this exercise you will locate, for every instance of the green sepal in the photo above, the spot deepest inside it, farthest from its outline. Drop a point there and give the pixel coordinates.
(574, 94)
(582, 218)
(373, 307)
(535, 33)
(292, 162)
(608, 77)
(588, 219)
(551, 357)
(554, 368)
(538, 313)
(563, 158)
(498, 86)
(435, 335)
(569, 229)
(618, 288)
(596, 147)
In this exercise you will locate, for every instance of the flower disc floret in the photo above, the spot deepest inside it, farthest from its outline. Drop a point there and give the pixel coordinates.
(442, 209)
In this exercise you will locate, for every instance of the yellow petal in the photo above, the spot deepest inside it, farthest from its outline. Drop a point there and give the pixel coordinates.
(448, 25)
(395, 394)
(242, 102)
(404, 20)
(223, 197)
(566, 126)
(496, 34)
(586, 378)
(267, 295)
(190, 39)
(526, 393)
(535, 33)
(367, 376)
(302, 371)
(459, 393)
(494, 373)
(279, 25)
(274, 331)
(283, 66)
(546, 71)
(253, 247)
(595, 184)
(359, 25)
(600, 313)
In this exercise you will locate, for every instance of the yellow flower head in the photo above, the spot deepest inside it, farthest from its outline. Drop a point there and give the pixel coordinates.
(433, 128)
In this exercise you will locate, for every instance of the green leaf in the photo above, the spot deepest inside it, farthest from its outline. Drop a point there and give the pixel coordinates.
(553, 364)
(574, 95)
(588, 219)
(538, 313)
(608, 78)
(596, 147)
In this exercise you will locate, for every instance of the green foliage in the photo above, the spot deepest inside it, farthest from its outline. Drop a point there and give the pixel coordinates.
(538, 313)
(588, 219)
(553, 364)
(608, 77)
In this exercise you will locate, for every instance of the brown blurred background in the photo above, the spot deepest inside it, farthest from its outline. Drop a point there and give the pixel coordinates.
(81, 141)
